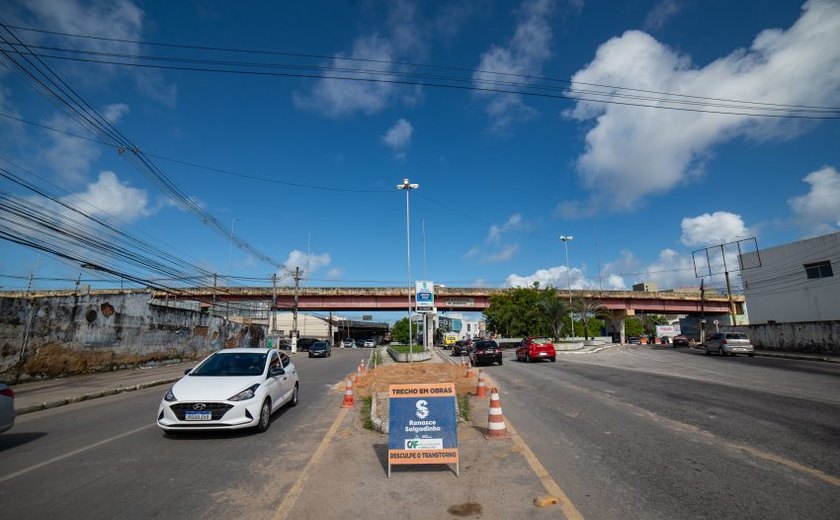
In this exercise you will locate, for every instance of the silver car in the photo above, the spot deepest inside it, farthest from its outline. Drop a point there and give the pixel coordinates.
(7, 407)
(729, 343)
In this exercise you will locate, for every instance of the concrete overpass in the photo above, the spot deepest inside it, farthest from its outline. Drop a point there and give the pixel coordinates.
(465, 299)
(455, 299)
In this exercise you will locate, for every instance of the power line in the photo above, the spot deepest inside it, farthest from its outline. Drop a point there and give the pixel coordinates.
(471, 71)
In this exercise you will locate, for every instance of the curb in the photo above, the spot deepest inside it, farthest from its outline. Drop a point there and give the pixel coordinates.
(93, 395)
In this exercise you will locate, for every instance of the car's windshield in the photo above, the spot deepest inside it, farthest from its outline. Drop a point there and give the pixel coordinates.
(231, 364)
(541, 341)
(318, 346)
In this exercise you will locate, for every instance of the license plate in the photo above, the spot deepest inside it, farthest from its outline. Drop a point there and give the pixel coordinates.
(543, 354)
(198, 416)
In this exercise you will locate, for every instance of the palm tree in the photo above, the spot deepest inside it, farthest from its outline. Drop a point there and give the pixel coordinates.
(588, 308)
(554, 310)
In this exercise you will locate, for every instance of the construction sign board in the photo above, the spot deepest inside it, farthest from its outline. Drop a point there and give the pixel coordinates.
(422, 425)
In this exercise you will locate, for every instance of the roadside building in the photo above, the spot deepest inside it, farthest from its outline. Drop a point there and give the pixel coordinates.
(796, 282)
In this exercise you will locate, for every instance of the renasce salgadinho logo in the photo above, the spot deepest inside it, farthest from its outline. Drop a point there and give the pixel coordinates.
(422, 409)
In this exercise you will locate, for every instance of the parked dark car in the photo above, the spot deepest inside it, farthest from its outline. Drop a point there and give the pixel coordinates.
(485, 352)
(320, 349)
(680, 341)
(461, 347)
(303, 344)
(531, 349)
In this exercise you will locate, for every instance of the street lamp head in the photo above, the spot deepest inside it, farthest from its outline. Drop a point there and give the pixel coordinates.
(407, 186)
(566, 238)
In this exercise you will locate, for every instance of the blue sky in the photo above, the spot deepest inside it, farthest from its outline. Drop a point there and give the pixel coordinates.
(303, 170)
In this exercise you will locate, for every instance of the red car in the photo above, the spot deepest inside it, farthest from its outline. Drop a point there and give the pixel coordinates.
(531, 349)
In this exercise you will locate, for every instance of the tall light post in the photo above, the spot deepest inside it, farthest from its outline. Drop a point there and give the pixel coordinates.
(408, 187)
(566, 239)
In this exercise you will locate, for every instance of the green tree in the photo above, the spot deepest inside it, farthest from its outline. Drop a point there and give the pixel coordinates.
(517, 312)
(399, 332)
(633, 326)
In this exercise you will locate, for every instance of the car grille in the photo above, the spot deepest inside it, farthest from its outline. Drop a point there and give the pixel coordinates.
(218, 409)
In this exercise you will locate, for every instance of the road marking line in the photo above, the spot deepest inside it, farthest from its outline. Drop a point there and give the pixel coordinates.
(71, 454)
(552, 487)
(761, 454)
(288, 503)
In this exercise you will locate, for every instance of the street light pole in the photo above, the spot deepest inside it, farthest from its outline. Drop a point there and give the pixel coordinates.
(408, 187)
(566, 239)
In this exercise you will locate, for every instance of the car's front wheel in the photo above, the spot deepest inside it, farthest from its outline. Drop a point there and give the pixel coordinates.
(500, 362)
(265, 417)
(706, 348)
(294, 400)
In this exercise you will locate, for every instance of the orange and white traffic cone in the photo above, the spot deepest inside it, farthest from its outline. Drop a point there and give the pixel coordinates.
(348, 395)
(362, 366)
(480, 390)
(496, 428)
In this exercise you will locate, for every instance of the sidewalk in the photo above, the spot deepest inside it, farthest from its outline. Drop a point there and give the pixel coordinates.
(49, 393)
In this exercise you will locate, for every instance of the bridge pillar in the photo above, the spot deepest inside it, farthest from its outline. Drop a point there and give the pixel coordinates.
(615, 325)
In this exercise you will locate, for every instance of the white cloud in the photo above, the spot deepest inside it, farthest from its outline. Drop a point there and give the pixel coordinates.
(309, 263)
(398, 137)
(342, 97)
(634, 152)
(663, 11)
(524, 54)
(71, 157)
(553, 276)
(819, 209)
(109, 197)
(119, 19)
(713, 228)
(495, 249)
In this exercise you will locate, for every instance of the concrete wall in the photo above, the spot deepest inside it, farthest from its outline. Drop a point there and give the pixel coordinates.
(73, 334)
(818, 337)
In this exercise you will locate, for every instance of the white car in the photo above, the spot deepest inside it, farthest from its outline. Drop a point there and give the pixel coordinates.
(7, 407)
(369, 343)
(231, 389)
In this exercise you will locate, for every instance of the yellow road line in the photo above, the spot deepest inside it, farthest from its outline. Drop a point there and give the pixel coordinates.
(552, 487)
(288, 503)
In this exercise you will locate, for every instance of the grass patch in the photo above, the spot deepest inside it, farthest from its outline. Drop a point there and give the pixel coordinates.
(403, 349)
(464, 407)
(365, 411)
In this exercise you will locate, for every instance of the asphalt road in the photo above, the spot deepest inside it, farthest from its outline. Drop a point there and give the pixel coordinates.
(659, 433)
(106, 458)
(629, 432)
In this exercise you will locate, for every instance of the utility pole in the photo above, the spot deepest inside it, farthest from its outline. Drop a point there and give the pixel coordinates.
(295, 311)
(702, 311)
(273, 302)
(214, 293)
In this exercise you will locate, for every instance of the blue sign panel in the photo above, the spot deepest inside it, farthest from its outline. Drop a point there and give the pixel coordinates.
(422, 424)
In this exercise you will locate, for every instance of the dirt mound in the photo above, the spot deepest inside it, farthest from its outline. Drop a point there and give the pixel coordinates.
(378, 379)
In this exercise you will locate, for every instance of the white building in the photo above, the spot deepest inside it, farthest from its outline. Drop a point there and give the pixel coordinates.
(795, 282)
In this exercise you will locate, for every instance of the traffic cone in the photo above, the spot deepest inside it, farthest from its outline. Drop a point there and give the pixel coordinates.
(348, 395)
(496, 428)
(481, 390)
(362, 366)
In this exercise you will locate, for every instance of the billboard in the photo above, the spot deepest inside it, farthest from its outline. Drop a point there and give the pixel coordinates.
(424, 294)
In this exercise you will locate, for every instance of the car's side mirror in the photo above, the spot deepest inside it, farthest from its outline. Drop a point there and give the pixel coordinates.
(276, 371)
(187, 371)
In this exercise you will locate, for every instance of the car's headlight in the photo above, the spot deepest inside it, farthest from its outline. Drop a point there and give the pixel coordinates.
(169, 397)
(246, 394)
